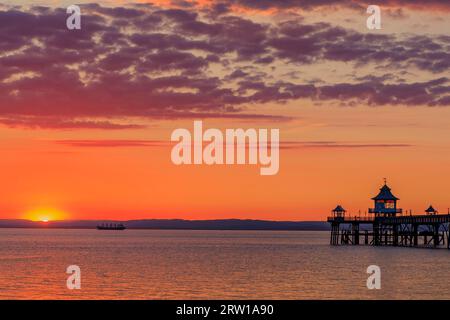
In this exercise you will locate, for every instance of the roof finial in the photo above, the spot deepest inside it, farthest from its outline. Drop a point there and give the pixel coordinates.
(384, 181)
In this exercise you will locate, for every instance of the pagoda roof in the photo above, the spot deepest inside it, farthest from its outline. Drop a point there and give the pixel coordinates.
(430, 209)
(339, 208)
(385, 194)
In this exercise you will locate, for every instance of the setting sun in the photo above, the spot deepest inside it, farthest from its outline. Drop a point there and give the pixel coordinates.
(44, 215)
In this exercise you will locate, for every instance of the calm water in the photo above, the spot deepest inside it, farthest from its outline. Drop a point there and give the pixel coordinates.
(157, 264)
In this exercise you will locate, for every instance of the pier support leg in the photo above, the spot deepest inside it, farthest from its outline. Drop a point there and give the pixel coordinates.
(376, 234)
(331, 236)
(416, 235)
(395, 235)
(355, 233)
(448, 236)
(335, 232)
(435, 235)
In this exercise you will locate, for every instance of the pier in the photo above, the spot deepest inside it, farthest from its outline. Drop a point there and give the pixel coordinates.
(387, 225)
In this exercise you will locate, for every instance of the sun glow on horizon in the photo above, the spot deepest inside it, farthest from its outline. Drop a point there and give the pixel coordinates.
(44, 215)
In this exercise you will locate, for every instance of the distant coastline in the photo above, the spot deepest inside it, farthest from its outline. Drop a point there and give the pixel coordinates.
(173, 224)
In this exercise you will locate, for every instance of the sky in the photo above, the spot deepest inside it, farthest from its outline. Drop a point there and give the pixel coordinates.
(86, 115)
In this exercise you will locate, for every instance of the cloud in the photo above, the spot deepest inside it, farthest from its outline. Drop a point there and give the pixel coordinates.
(57, 123)
(352, 4)
(338, 145)
(151, 62)
(111, 143)
(379, 94)
(306, 44)
(108, 143)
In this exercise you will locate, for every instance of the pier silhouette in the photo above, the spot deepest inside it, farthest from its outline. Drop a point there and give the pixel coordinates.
(389, 226)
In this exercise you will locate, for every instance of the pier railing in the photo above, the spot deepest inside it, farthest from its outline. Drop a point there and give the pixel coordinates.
(349, 219)
(401, 219)
(372, 210)
(417, 219)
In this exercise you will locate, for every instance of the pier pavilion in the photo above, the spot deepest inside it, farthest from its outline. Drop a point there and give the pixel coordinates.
(387, 225)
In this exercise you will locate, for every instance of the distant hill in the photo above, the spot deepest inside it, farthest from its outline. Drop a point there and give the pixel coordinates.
(225, 224)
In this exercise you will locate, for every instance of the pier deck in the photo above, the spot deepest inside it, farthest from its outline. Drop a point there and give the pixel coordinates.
(405, 230)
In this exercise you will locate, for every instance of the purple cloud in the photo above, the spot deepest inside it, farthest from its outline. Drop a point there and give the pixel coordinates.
(148, 62)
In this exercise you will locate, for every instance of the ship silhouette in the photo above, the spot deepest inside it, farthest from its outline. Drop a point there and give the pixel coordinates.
(111, 226)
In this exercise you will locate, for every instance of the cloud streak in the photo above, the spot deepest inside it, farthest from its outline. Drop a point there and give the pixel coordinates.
(352, 4)
(108, 143)
(113, 143)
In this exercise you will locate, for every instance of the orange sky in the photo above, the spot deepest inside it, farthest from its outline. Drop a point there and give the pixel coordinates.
(341, 153)
(79, 182)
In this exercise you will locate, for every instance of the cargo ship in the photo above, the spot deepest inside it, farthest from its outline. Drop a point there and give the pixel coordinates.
(111, 226)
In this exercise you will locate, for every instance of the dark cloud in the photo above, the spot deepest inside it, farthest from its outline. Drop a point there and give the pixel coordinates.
(302, 44)
(144, 61)
(164, 60)
(356, 4)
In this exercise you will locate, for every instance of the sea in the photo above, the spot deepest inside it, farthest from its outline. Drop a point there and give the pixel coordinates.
(197, 264)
